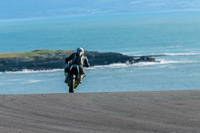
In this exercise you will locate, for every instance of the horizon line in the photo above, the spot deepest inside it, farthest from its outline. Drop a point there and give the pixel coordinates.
(97, 14)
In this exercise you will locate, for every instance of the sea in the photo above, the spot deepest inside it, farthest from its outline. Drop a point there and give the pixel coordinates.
(175, 35)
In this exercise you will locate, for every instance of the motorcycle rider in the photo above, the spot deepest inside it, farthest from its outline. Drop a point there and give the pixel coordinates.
(77, 58)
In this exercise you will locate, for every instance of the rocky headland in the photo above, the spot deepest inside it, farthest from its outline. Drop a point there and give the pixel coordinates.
(54, 59)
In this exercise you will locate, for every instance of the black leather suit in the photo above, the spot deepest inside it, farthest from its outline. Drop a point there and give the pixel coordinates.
(78, 60)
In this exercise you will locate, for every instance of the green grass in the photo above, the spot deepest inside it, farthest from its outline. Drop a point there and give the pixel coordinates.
(31, 55)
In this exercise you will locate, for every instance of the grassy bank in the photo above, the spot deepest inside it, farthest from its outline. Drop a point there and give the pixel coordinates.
(33, 54)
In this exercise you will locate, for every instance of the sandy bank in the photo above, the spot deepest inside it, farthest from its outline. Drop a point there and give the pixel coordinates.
(138, 112)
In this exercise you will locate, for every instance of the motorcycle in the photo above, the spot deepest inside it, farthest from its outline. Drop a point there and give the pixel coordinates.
(75, 78)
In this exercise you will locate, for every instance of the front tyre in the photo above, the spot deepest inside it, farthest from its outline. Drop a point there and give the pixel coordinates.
(72, 84)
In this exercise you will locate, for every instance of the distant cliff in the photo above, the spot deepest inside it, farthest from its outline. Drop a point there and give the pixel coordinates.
(54, 59)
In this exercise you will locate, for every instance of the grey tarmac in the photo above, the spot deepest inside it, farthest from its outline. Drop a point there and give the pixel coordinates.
(106, 112)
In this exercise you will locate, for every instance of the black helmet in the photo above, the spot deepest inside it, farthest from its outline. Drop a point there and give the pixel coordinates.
(80, 51)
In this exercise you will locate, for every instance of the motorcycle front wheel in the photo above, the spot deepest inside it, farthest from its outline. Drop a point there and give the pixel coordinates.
(72, 84)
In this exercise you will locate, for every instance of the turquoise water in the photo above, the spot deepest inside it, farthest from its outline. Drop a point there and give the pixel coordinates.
(117, 33)
(176, 35)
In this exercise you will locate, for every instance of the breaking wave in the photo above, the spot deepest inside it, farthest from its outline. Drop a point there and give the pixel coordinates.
(115, 65)
(165, 54)
(181, 54)
(35, 71)
(161, 62)
(164, 62)
(31, 81)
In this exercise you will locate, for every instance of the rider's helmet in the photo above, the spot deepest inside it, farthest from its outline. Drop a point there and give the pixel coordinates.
(80, 51)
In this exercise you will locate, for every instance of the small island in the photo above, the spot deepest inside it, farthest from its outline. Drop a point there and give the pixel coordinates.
(54, 59)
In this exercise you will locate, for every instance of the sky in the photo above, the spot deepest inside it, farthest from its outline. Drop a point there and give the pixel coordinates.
(15, 9)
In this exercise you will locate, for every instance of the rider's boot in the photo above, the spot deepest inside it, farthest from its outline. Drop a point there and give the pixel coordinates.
(82, 77)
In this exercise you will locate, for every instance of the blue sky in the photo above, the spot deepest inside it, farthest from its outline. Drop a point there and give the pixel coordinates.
(12, 9)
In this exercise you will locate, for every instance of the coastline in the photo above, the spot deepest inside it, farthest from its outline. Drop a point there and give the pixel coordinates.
(55, 59)
(142, 112)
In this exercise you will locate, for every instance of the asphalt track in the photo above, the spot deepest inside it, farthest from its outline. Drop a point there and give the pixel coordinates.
(116, 112)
